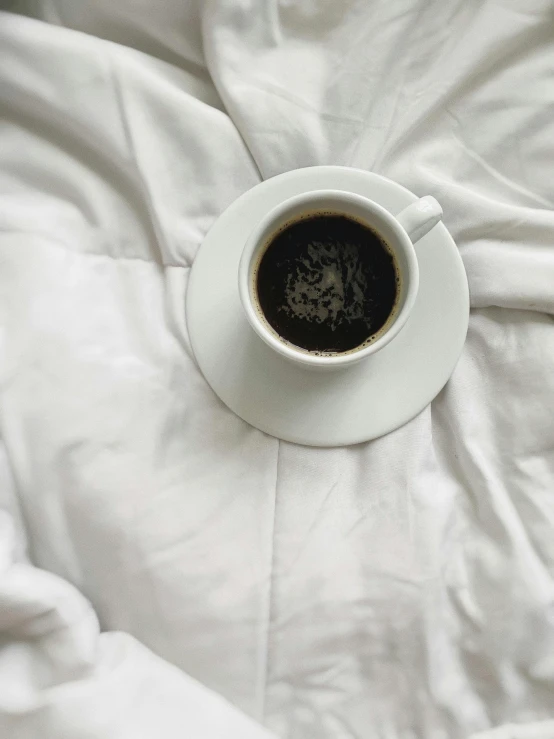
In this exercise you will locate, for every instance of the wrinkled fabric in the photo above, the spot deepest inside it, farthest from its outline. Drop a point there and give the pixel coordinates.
(167, 570)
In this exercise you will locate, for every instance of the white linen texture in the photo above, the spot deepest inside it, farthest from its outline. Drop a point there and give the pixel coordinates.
(165, 569)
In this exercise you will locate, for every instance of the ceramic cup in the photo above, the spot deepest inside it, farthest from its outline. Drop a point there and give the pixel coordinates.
(399, 232)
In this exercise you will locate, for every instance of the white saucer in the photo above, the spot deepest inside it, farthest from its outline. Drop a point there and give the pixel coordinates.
(332, 408)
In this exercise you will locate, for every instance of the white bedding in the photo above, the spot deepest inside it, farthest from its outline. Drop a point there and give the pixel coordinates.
(168, 571)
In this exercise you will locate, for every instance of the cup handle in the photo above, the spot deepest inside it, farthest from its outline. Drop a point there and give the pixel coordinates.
(419, 218)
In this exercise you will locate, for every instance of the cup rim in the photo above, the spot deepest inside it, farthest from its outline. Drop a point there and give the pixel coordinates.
(276, 216)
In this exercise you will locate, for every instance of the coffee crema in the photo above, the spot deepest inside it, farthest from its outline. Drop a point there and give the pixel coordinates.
(327, 283)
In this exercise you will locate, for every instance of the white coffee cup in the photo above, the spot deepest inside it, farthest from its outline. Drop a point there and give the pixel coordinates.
(399, 233)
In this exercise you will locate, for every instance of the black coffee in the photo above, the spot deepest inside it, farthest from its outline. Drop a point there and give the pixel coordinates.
(327, 283)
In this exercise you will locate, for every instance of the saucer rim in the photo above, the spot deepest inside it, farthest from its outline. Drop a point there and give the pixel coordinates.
(239, 207)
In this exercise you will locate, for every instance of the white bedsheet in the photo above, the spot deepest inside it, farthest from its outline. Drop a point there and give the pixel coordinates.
(156, 551)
